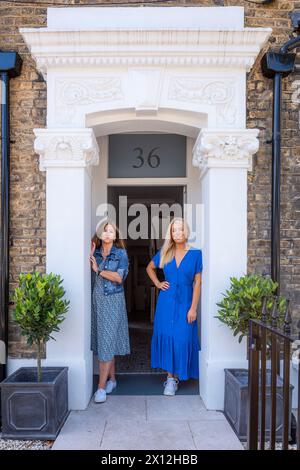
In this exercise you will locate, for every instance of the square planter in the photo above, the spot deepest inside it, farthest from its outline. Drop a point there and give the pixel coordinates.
(31, 409)
(236, 402)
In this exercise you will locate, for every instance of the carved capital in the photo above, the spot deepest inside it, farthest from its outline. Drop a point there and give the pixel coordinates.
(225, 148)
(66, 148)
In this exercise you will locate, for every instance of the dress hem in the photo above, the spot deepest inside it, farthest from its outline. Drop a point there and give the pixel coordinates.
(180, 377)
(106, 360)
(182, 360)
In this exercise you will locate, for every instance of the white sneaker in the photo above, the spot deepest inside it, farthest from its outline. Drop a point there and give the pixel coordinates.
(171, 386)
(110, 385)
(100, 395)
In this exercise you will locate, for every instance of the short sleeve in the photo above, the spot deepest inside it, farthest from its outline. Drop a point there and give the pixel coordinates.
(156, 259)
(122, 273)
(199, 265)
(123, 267)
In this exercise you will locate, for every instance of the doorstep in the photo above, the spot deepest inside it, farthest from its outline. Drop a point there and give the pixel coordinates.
(147, 422)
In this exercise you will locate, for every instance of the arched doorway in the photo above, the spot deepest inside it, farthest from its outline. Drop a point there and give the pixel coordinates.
(165, 186)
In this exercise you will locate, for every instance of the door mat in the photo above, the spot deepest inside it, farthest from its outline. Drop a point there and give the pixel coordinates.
(148, 384)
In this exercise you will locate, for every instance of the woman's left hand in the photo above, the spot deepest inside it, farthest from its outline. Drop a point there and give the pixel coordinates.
(192, 315)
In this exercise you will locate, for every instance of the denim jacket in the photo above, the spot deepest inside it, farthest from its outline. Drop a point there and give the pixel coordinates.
(117, 260)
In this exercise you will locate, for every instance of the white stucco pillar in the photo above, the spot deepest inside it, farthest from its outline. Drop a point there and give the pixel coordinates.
(223, 157)
(66, 155)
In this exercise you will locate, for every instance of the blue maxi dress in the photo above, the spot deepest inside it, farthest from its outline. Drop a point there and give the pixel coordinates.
(175, 343)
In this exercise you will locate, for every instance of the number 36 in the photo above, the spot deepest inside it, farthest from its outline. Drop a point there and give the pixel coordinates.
(152, 159)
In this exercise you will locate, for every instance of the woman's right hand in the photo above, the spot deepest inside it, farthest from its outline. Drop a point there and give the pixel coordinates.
(93, 248)
(163, 285)
(94, 265)
(92, 257)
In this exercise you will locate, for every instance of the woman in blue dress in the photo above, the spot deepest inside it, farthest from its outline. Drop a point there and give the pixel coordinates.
(175, 344)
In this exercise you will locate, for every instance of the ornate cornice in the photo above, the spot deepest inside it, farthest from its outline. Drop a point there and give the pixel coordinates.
(67, 148)
(131, 47)
(224, 148)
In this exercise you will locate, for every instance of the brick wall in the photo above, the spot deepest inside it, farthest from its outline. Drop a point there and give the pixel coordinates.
(28, 110)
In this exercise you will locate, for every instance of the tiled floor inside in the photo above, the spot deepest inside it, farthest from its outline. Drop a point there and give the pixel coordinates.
(139, 359)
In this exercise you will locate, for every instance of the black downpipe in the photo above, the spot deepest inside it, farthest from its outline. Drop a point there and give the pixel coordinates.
(276, 166)
(10, 67)
(5, 162)
(277, 65)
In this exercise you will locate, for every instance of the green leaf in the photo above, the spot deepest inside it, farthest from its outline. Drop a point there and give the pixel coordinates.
(243, 300)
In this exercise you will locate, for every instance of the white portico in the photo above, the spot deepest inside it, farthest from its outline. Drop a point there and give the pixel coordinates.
(174, 70)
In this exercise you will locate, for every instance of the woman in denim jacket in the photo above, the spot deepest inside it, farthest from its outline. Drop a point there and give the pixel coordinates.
(110, 336)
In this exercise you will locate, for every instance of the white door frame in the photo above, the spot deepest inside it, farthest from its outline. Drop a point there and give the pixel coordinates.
(177, 69)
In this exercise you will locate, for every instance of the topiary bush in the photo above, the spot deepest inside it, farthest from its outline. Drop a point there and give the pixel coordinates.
(244, 299)
(39, 308)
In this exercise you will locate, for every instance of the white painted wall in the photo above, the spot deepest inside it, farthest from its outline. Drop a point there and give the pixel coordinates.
(225, 255)
(145, 17)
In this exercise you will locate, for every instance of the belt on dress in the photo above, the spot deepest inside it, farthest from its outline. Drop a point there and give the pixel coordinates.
(178, 295)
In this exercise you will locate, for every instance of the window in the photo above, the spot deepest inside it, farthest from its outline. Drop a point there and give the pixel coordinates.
(147, 156)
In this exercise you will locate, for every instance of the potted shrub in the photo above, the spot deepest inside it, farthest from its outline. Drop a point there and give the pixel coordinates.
(241, 302)
(34, 400)
(244, 300)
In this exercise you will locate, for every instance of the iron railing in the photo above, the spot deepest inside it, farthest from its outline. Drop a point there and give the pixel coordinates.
(274, 343)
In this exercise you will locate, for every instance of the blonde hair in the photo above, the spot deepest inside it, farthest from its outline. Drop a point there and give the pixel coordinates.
(118, 242)
(167, 251)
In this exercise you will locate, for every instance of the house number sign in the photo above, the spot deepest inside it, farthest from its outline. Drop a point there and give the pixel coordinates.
(147, 156)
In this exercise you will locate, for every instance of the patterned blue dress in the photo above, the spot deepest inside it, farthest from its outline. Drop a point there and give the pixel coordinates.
(110, 335)
(175, 343)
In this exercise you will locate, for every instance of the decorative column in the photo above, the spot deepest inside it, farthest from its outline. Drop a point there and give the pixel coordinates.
(223, 156)
(67, 155)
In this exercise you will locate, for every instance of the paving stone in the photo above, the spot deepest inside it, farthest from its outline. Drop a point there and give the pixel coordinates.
(178, 407)
(214, 435)
(120, 407)
(147, 423)
(82, 431)
(141, 435)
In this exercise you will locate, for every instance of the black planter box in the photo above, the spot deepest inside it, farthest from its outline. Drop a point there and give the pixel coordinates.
(31, 409)
(236, 402)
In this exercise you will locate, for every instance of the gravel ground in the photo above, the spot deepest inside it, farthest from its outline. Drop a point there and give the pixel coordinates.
(278, 446)
(13, 444)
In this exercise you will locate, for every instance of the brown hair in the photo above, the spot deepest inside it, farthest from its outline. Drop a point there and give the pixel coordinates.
(96, 240)
(118, 242)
